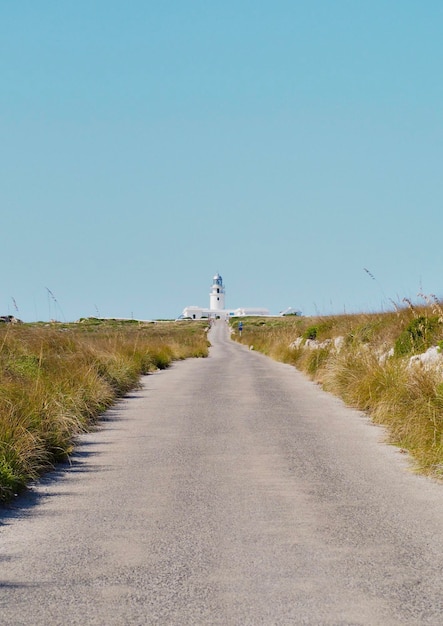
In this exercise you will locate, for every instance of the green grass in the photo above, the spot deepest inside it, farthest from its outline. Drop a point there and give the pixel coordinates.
(56, 380)
(364, 359)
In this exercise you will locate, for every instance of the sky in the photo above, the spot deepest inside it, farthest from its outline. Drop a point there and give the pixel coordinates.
(294, 147)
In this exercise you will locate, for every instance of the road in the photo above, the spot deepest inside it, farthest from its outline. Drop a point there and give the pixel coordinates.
(227, 491)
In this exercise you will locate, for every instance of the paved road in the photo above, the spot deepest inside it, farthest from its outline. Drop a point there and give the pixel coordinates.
(228, 491)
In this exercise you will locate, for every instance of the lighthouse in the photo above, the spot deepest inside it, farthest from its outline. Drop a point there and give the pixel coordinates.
(217, 306)
(217, 294)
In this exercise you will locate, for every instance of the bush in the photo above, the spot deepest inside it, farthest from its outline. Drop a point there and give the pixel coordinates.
(417, 336)
(311, 333)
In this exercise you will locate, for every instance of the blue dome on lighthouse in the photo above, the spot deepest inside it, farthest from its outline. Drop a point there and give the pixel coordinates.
(217, 280)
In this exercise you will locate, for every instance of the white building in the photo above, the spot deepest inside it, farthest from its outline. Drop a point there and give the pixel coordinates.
(217, 305)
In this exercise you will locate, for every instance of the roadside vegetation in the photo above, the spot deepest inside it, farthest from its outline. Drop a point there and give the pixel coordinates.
(389, 365)
(56, 380)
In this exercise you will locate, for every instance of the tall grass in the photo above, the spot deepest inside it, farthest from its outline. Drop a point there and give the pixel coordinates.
(56, 380)
(366, 360)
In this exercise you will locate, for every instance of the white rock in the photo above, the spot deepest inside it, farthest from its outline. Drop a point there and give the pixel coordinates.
(312, 344)
(339, 343)
(296, 344)
(384, 356)
(432, 358)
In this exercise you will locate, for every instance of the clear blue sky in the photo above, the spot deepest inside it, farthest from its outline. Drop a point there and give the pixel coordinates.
(288, 145)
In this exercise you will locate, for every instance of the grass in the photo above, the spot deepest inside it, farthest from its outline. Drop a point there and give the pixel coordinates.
(365, 360)
(56, 380)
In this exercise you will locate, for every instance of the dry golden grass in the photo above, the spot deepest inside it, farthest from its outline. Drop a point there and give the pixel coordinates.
(56, 380)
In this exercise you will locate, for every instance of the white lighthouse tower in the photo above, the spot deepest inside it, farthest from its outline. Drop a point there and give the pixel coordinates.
(217, 294)
(217, 306)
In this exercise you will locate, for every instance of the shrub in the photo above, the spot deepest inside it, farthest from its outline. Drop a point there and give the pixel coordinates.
(417, 336)
(311, 333)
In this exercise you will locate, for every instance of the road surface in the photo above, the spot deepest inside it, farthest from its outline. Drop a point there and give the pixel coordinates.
(227, 491)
